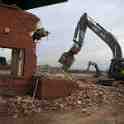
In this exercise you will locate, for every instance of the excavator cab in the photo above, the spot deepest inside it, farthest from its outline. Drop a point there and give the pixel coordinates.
(116, 69)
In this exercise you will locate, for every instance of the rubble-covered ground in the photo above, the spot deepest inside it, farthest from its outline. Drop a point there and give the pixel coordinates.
(88, 104)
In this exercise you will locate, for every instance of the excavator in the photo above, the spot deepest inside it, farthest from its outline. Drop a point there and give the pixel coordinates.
(116, 68)
(95, 65)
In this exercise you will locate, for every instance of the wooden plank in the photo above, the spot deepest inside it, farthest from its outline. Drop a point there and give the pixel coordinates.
(30, 4)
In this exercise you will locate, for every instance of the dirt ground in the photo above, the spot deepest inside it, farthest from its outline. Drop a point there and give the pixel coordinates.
(103, 116)
(110, 113)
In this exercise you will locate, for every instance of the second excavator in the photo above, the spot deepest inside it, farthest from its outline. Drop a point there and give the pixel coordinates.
(116, 68)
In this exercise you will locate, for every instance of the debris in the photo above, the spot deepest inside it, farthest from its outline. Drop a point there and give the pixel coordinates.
(86, 99)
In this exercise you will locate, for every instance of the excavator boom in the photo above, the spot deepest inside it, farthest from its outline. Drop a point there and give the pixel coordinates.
(106, 36)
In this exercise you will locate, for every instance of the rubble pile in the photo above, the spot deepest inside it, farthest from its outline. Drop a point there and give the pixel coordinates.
(87, 98)
(81, 98)
(23, 106)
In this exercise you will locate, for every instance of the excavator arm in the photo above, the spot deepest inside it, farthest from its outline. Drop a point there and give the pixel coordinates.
(116, 69)
(67, 58)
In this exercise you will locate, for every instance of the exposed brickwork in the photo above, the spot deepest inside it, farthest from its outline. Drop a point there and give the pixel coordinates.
(52, 88)
(15, 26)
(20, 25)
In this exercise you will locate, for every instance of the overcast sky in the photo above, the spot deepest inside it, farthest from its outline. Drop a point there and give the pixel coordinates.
(61, 19)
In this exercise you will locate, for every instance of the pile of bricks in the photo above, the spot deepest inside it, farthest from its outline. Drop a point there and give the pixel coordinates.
(87, 98)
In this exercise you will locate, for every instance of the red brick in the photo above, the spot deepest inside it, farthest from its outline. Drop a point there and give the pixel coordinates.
(52, 88)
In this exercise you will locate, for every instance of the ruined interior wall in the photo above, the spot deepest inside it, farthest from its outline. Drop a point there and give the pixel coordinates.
(20, 24)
